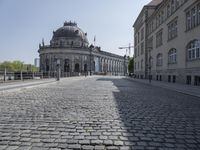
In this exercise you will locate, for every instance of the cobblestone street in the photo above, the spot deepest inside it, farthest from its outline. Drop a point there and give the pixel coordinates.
(98, 113)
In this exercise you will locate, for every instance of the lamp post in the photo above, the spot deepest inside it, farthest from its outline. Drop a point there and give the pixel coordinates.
(58, 69)
(125, 65)
(90, 61)
(5, 75)
(150, 64)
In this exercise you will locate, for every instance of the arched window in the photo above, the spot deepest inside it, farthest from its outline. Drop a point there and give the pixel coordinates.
(159, 60)
(193, 50)
(172, 56)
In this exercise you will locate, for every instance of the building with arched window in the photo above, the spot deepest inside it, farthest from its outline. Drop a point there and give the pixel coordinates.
(70, 47)
(169, 32)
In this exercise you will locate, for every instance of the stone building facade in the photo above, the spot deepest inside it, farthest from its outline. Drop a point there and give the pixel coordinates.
(167, 41)
(70, 47)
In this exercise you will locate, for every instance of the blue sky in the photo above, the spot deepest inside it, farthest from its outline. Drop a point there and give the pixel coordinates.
(25, 22)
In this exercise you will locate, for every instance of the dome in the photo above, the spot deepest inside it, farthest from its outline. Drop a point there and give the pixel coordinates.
(70, 30)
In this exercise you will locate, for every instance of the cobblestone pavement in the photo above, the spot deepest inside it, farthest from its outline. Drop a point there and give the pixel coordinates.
(98, 113)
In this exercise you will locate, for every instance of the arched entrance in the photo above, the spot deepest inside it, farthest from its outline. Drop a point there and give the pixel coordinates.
(66, 66)
(93, 66)
(77, 68)
(85, 68)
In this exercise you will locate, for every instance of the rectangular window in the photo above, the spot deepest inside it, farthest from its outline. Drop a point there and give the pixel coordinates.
(138, 50)
(159, 38)
(193, 18)
(142, 48)
(168, 10)
(135, 53)
(135, 40)
(142, 34)
(188, 21)
(198, 14)
(177, 3)
(172, 30)
(197, 53)
(138, 37)
(150, 42)
(172, 5)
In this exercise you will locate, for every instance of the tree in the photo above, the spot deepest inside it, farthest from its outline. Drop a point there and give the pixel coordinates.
(131, 65)
(17, 66)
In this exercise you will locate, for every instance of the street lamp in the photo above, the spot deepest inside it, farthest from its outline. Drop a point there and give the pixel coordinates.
(90, 60)
(150, 63)
(125, 66)
(58, 69)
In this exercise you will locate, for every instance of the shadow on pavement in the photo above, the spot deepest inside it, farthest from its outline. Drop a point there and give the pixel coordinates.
(156, 118)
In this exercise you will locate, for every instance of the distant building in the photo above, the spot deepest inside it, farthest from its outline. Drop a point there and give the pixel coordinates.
(167, 41)
(37, 62)
(70, 47)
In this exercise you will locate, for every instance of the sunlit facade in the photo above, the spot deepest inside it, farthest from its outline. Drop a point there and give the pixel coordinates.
(171, 41)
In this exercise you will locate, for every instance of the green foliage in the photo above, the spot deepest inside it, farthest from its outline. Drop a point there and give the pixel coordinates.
(131, 65)
(18, 66)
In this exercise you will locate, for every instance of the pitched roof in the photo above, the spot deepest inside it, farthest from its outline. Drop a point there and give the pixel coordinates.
(154, 3)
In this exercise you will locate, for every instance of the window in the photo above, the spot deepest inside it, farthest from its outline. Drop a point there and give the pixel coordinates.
(159, 38)
(172, 5)
(172, 56)
(150, 42)
(142, 48)
(172, 30)
(135, 53)
(193, 50)
(162, 16)
(159, 60)
(177, 3)
(142, 34)
(188, 21)
(138, 50)
(168, 10)
(135, 40)
(198, 14)
(138, 36)
(193, 17)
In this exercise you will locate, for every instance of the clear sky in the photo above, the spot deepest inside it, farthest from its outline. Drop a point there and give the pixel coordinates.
(23, 24)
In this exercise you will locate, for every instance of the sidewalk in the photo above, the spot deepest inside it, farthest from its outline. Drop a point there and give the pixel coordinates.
(10, 86)
(23, 84)
(182, 88)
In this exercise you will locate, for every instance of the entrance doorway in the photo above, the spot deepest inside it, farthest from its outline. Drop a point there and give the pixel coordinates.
(197, 80)
(77, 69)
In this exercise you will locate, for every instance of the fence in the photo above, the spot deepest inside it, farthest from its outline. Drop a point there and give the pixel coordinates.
(10, 75)
(6, 76)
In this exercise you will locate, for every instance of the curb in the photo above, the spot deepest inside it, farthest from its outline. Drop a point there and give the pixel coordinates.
(165, 87)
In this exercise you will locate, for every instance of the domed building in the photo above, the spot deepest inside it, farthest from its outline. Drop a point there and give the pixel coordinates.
(69, 49)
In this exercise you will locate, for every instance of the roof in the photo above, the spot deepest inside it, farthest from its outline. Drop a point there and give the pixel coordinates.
(154, 3)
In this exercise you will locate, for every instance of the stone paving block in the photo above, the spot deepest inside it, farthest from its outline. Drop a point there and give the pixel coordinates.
(75, 146)
(87, 147)
(12, 147)
(118, 113)
(24, 148)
